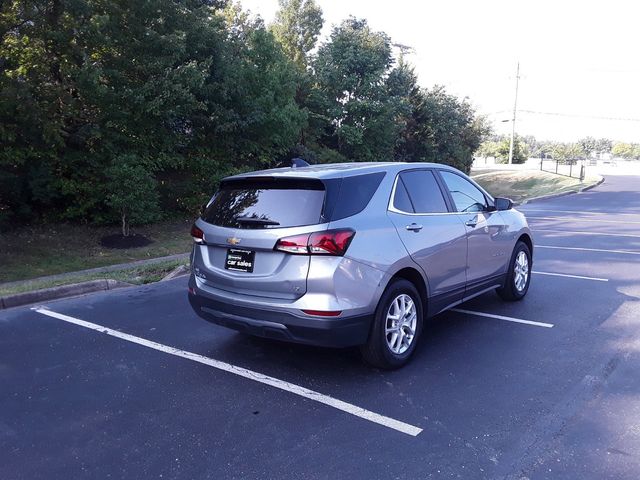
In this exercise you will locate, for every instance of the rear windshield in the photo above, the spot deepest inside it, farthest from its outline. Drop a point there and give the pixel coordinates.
(266, 203)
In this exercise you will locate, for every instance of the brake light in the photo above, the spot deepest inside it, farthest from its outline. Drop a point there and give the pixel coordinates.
(333, 242)
(197, 234)
(330, 242)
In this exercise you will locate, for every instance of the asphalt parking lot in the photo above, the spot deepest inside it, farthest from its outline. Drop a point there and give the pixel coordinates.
(131, 384)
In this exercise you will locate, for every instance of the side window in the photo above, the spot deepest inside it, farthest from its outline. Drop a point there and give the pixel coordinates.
(423, 191)
(466, 196)
(401, 198)
(355, 194)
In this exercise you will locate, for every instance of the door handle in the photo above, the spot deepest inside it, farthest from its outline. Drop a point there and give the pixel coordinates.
(414, 227)
(472, 223)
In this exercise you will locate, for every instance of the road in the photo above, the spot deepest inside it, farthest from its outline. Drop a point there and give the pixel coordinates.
(148, 390)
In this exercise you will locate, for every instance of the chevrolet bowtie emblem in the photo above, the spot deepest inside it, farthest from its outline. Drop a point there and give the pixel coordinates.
(233, 240)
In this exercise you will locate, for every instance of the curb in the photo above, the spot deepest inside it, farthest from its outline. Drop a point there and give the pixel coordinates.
(592, 186)
(563, 194)
(53, 293)
(179, 271)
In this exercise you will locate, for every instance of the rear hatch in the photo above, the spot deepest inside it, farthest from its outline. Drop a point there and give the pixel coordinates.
(241, 226)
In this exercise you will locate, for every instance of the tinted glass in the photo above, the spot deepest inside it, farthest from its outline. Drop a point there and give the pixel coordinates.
(355, 194)
(401, 198)
(466, 196)
(266, 204)
(424, 191)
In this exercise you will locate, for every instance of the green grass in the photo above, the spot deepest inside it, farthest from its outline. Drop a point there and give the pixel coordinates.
(137, 276)
(35, 251)
(520, 185)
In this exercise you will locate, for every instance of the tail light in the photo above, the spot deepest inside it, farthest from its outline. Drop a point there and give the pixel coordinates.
(330, 242)
(197, 234)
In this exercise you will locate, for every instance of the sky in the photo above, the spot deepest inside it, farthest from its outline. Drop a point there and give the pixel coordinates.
(579, 60)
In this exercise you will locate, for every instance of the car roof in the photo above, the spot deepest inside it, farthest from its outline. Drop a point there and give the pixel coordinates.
(338, 170)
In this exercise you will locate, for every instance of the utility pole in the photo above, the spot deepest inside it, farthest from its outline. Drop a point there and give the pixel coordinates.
(513, 120)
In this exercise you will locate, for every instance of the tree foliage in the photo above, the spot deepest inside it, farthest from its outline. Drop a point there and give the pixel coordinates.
(628, 151)
(296, 28)
(499, 147)
(120, 112)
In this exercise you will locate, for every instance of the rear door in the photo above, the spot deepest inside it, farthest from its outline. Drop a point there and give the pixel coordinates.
(434, 237)
(488, 240)
(241, 226)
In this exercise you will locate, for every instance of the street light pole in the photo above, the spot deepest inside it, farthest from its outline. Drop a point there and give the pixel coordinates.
(513, 120)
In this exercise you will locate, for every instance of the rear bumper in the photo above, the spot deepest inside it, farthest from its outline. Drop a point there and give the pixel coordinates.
(319, 331)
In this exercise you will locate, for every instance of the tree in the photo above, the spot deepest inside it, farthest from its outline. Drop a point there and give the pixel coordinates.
(131, 192)
(260, 119)
(350, 73)
(567, 152)
(603, 145)
(520, 150)
(489, 148)
(588, 145)
(625, 150)
(297, 26)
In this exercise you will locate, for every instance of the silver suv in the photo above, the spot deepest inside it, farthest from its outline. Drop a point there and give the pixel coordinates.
(353, 254)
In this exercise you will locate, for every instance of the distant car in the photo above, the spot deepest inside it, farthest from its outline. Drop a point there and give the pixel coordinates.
(353, 254)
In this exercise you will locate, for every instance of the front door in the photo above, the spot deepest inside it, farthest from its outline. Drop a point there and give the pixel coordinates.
(488, 242)
(434, 237)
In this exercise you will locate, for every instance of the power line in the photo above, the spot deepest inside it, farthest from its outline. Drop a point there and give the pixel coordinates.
(575, 115)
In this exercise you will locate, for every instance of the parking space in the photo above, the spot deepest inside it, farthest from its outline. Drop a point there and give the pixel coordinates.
(131, 383)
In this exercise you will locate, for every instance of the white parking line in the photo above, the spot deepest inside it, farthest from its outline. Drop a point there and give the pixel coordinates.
(581, 212)
(572, 219)
(501, 317)
(573, 232)
(245, 373)
(571, 276)
(582, 249)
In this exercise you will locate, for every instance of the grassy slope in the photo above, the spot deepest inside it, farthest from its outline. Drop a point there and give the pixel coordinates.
(138, 276)
(520, 185)
(35, 251)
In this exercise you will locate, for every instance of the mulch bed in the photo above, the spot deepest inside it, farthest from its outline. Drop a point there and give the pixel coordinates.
(121, 242)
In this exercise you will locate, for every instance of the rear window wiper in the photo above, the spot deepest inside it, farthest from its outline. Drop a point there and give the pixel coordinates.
(256, 221)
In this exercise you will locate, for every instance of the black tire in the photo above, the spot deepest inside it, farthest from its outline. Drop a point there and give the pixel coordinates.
(377, 352)
(510, 290)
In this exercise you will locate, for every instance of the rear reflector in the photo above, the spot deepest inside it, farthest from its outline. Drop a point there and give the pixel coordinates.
(330, 242)
(197, 234)
(323, 313)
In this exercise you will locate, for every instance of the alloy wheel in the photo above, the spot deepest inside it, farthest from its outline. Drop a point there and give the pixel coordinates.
(400, 325)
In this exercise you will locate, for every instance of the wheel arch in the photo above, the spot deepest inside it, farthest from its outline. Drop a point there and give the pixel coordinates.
(526, 239)
(415, 277)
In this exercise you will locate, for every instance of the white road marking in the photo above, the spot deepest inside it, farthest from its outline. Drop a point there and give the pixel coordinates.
(582, 249)
(572, 219)
(581, 212)
(573, 232)
(571, 276)
(501, 317)
(245, 373)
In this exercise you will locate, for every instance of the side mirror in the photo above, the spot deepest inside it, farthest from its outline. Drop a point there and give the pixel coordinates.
(503, 203)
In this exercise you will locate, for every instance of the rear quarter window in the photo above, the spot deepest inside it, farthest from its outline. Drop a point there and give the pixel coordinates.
(353, 194)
